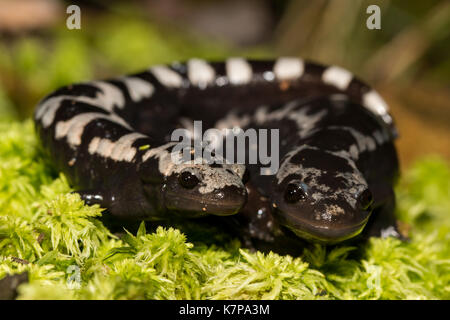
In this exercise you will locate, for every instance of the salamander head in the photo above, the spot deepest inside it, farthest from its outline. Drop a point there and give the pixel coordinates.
(200, 189)
(192, 188)
(321, 196)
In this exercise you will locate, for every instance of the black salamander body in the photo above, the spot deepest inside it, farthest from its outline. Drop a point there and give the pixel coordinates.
(335, 171)
(338, 161)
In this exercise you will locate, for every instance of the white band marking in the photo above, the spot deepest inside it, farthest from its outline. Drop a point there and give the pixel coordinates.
(338, 77)
(73, 128)
(108, 97)
(238, 71)
(138, 88)
(375, 103)
(121, 150)
(166, 76)
(288, 68)
(200, 73)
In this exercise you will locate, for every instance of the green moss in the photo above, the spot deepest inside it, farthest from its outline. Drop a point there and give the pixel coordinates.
(69, 254)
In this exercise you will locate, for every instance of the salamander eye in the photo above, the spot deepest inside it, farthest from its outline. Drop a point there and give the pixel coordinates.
(294, 192)
(188, 180)
(365, 199)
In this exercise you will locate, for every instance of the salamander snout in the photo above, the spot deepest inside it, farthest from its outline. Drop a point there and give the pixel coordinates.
(322, 214)
(198, 190)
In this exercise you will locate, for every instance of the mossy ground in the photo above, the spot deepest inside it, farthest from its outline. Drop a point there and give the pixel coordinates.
(70, 254)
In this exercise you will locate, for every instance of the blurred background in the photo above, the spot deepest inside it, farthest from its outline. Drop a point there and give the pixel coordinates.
(407, 60)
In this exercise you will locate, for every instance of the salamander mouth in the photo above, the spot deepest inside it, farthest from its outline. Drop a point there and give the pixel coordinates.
(321, 233)
(221, 202)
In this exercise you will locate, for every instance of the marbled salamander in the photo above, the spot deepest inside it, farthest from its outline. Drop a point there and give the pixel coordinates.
(111, 138)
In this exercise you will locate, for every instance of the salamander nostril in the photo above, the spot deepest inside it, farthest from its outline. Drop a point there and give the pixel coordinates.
(365, 199)
(294, 192)
(188, 180)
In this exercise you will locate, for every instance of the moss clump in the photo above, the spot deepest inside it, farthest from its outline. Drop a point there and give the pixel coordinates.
(68, 253)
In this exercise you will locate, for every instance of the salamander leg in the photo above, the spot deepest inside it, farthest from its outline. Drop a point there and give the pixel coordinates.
(383, 222)
(91, 197)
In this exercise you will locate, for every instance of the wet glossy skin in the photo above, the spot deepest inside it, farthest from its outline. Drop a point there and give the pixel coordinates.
(326, 190)
(111, 139)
